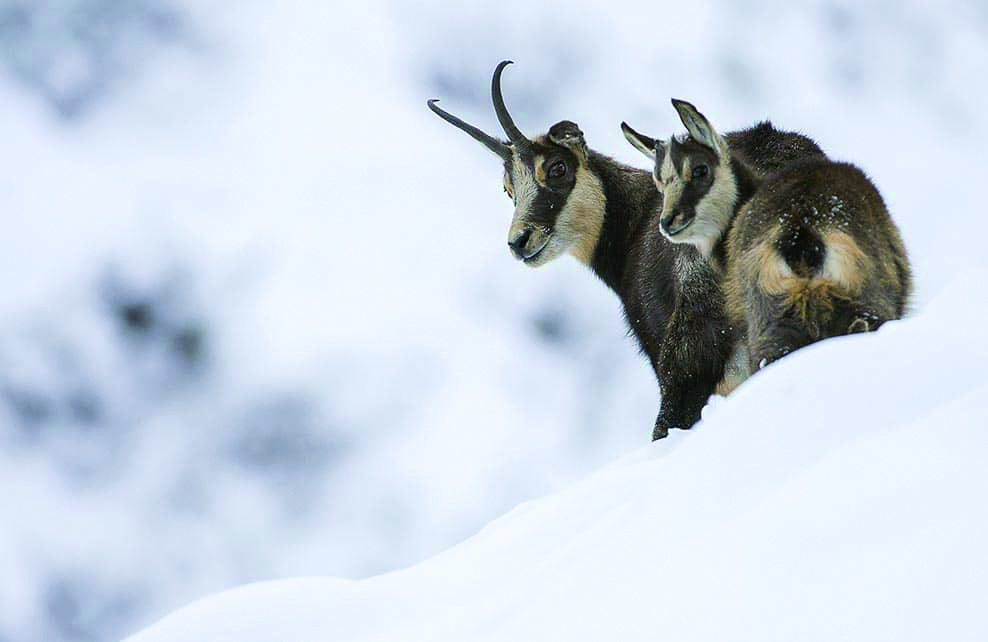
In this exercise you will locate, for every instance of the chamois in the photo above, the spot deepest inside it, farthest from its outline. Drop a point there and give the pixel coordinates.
(571, 199)
(806, 253)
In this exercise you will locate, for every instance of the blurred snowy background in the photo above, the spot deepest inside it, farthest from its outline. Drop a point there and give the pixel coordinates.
(258, 317)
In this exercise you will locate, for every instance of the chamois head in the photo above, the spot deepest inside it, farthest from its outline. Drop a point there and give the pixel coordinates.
(695, 177)
(559, 202)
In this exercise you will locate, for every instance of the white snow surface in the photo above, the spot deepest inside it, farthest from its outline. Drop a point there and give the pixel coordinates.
(818, 502)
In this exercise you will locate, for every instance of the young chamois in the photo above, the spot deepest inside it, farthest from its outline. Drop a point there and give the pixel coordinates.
(806, 253)
(570, 199)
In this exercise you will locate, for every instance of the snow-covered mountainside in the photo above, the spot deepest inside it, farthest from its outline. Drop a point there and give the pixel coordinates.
(819, 502)
(258, 318)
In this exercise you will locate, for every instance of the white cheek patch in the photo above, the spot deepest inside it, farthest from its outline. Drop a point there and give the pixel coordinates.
(525, 191)
(713, 212)
(525, 188)
(579, 223)
(671, 194)
(672, 185)
(666, 170)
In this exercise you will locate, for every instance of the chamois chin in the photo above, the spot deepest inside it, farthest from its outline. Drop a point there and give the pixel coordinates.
(571, 199)
(805, 253)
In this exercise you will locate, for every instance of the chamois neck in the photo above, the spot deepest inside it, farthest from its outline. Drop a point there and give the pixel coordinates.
(746, 183)
(630, 198)
(746, 179)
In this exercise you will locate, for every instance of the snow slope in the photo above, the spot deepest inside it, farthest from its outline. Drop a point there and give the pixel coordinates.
(821, 501)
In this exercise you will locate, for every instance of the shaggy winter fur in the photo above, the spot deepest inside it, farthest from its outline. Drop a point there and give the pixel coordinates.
(569, 198)
(805, 253)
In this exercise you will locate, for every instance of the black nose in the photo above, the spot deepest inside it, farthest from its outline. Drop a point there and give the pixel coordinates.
(666, 223)
(517, 244)
(677, 222)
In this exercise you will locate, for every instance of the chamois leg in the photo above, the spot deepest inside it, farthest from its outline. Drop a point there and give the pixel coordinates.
(858, 326)
(692, 359)
(864, 322)
(771, 341)
(774, 339)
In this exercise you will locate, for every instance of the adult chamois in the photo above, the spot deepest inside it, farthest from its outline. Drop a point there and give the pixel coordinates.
(571, 199)
(807, 253)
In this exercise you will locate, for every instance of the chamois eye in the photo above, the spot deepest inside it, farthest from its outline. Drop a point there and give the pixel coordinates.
(558, 170)
(700, 171)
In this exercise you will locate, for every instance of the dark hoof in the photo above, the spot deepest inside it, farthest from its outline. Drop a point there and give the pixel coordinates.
(857, 326)
(865, 322)
(661, 431)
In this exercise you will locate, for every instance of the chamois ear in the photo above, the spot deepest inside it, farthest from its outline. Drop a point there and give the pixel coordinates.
(568, 134)
(699, 127)
(641, 142)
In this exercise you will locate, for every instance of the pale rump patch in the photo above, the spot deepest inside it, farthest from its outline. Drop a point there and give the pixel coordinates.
(845, 263)
(764, 265)
(844, 267)
(841, 277)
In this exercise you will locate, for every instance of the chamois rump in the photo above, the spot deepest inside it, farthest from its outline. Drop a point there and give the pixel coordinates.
(571, 199)
(806, 253)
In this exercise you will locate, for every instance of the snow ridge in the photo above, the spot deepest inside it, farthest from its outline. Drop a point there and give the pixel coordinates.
(818, 502)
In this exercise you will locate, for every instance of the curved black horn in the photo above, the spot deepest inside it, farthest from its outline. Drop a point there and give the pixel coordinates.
(489, 142)
(514, 134)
